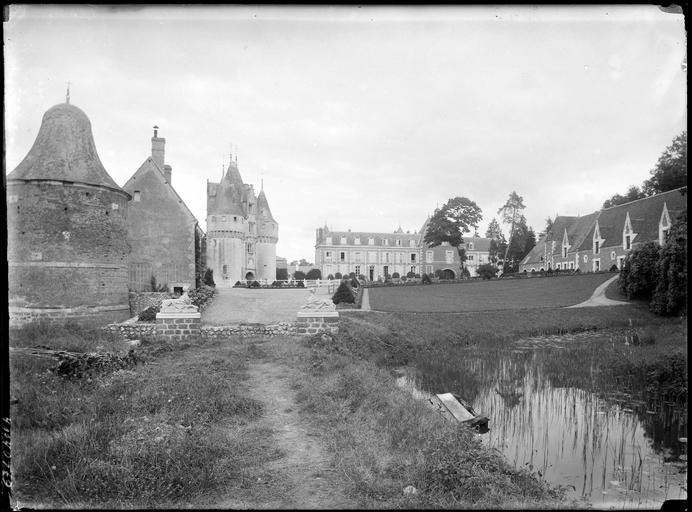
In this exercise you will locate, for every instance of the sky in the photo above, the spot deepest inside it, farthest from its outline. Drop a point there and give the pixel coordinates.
(363, 118)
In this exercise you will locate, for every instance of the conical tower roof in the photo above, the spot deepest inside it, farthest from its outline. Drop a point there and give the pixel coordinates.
(263, 206)
(229, 194)
(64, 150)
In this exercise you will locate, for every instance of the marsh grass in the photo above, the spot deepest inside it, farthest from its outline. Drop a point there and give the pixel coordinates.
(176, 430)
(382, 440)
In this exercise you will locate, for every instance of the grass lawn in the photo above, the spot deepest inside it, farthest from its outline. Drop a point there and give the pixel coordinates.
(496, 294)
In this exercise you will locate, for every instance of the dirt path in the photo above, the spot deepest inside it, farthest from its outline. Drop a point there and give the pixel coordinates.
(314, 484)
(598, 298)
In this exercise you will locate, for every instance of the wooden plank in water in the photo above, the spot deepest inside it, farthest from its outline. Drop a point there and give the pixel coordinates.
(454, 407)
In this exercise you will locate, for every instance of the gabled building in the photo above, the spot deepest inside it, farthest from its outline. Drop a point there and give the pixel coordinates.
(241, 231)
(603, 238)
(165, 237)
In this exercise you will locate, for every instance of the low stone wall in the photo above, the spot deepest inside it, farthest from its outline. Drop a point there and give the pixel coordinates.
(132, 330)
(314, 322)
(211, 332)
(139, 301)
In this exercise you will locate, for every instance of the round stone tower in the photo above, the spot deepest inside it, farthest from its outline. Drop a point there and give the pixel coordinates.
(67, 244)
(267, 237)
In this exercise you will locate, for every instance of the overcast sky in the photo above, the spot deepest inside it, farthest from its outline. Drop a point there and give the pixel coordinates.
(363, 118)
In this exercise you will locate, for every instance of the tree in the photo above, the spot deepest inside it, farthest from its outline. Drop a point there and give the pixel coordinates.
(548, 225)
(670, 294)
(449, 223)
(523, 241)
(282, 274)
(314, 273)
(343, 294)
(671, 169)
(487, 271)
(494, 230)
(299, 275)
(209, 278)
(638, 274)
(511, 212)
(633, 193)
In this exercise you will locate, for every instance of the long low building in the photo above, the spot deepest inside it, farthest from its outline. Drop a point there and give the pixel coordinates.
(603, 239)
(378, 255)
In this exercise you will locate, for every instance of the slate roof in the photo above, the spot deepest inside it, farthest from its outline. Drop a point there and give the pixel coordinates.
(645, 215)
(365, 235)
(263, 209)
(480, 243)
(227, 196)
(64, 150)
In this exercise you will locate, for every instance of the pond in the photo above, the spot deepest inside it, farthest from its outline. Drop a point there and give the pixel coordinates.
(607, 448)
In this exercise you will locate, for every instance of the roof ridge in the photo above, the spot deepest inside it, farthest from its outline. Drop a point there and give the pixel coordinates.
(644, 198)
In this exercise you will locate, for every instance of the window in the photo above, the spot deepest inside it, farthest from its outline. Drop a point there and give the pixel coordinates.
(342, 256)
(664, 235)
(621, 261)
(328, 240)
(612, 255)
(558, 266)
(357, 242)
(223, 218)
(470, 246)
(428, 269)
(371, 241)
(328, 255)
(235, 218)
(564, 252)
(386, 257)
(597, 247)
(225, 270)
(343, 239)
(357, 257)
(470, 257)
(413, 269)
(385, 241)
(398, 242)
(571, 265)
(413, 257)
(596, 265)
(429, 256)
(385, 269)
(412, 243)
(628, 242)
(449, 256)
(138, 195)
(357, 271)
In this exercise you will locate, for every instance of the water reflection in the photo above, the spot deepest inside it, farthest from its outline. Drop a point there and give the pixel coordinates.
(606, 449)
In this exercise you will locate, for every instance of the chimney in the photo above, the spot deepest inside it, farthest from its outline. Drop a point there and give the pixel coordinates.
(167, 172)
(157, 147)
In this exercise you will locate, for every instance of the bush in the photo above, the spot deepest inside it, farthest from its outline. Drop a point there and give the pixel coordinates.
(638, 274)
(361, 277)
(282, 274)
(426, 279)
(411, 275)
(395, 275)
(149, 314)
(465, 274)
(613, 268)
(253, 284)
(277, 284)
(352, 275)
(330, 276)
(208, 278)
(488, 271)
(670, 294)
(155, 287)
(300, 284)
(314, 273)
(353, 282)
(238, 284)
(338, 275)
(343, 294)
(201, 297)
(438, 273)
(299, 275)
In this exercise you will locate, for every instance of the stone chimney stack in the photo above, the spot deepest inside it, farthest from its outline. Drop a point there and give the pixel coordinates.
(157, 148)
(167, 172)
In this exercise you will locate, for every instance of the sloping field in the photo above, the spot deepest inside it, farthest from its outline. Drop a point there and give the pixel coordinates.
(536, 292)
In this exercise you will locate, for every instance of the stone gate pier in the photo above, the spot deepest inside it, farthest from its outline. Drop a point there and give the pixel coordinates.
(179, 319)
(316, 316)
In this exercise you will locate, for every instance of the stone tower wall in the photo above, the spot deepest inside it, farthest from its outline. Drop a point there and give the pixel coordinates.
(266, 260)
(229, 251)
(67, 252)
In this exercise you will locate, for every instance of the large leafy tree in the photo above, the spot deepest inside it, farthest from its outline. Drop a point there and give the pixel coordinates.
(494, 230)
(449, 223)
(510, 214)
(671, 169)
(633, 193)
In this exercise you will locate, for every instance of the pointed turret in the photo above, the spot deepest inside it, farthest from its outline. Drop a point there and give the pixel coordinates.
(229, 193)
(263, 207)
(64, 150)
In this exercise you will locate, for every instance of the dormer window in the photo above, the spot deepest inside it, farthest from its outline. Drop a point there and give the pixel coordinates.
(597, 240)
(663, 225)
(412, 243)
(343, 239)
(357, 241)
(398, 242)
(564, 252)
(470, 246)
(628, 235)
(385, 241)
(371, 241)
(628, 242)
(328, 240)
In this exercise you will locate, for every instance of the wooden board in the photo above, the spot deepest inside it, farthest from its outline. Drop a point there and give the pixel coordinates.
(454, 407)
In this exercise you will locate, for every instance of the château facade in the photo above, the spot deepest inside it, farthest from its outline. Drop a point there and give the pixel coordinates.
(241, 231)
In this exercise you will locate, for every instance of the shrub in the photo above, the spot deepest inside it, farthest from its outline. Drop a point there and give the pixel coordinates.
(395, 275)
(338, 275)
(155, 287)
(352, 275)
(487, 271)
(361, 277)
(670, 293)
(300, 284)
(411, 275)
(417, 276)
(426, 279)
(208, 279)
(343, 294)
(299, 275)
(282, 274)
(613, 268)
(277, 284)
(330, 276)
(149, 314)
(253, 284)
(238, 284)
(314, 273)
(465, 274)
(438, 273)
(638, 274)
(201, 297)
(354, 282)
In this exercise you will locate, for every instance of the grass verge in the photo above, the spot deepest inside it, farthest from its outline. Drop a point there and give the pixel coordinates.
(175, 431)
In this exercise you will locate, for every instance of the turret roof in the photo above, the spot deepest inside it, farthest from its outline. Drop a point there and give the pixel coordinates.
(64, 150)
(263, 206)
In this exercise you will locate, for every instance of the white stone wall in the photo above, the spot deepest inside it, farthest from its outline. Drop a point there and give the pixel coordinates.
(266, 261)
